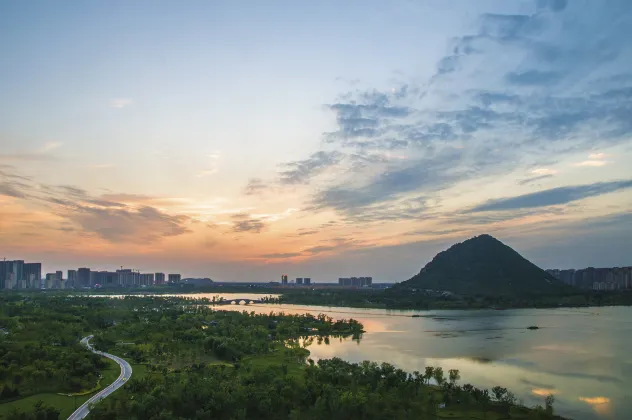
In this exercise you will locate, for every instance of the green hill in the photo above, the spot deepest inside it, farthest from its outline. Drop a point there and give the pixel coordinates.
(484, 266)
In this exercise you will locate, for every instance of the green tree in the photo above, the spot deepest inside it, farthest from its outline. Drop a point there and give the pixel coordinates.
(454, 376)
(438, 375)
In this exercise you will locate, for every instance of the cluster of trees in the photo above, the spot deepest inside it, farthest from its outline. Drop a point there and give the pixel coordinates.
(204, 363)
(39, 349)
(164, 331)
(331, 389)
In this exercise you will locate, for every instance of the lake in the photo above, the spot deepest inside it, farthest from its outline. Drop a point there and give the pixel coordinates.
(581, 356)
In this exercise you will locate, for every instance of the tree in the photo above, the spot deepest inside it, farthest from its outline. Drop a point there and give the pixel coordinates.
(454, 376)
(499, 392)
(438, 375)
(428, 373)
(548, 402)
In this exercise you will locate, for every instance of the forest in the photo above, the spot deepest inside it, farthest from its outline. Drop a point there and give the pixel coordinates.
(411, 298)
(193, 362)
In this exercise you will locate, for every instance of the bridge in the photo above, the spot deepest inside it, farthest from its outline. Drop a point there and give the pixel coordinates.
(237, 301)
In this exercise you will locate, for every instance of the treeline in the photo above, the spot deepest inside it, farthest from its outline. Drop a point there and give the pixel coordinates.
(401, 298)
(329, 389)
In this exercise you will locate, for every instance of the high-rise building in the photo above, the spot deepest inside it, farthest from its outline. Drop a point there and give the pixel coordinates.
(128, 277)
(299, 280)
(3, 273)
(307, 281)
(83, 277)
(12, 274)
(18, 274)
(71, 281)
(147, 279)
(32, 275)
(50, 280)
(344, 281)
(175, 278)
(284, 279)
(160, 278)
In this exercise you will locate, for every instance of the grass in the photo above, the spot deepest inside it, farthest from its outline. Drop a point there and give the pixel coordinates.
(278, 357)
(64, 403)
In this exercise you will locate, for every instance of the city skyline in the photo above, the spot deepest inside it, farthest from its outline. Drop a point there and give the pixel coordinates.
(240, 142)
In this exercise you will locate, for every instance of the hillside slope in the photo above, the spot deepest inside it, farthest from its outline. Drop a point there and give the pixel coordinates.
(484, 266)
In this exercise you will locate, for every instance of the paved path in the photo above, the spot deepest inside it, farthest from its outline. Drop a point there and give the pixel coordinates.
(126, 373)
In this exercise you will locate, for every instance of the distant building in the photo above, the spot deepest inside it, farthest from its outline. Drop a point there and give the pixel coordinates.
(71, 280)
(14, 272)
(32, 275)
(299, 280)
(3, 273)
(175, 278)
(147, 279)
(160, 278)
(83, 277)
(284, 279)
(307, 281)
(355, 281)
(50, 280)
(127, 277)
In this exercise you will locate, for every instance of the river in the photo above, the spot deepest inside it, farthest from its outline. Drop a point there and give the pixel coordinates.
(581, 356)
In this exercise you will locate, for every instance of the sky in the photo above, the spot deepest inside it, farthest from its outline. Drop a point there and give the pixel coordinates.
(243, 140)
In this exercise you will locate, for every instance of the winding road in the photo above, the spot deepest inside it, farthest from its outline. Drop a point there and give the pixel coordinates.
(126, 373)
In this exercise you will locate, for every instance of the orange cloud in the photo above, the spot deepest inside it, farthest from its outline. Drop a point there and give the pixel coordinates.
(601, 405)
(543, 392)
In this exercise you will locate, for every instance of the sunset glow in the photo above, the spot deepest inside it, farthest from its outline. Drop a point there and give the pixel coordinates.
(239, 143)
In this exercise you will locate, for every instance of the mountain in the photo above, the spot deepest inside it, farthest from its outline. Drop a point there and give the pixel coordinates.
(484, 266)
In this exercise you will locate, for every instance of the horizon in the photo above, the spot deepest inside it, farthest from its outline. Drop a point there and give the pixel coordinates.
(230, 141)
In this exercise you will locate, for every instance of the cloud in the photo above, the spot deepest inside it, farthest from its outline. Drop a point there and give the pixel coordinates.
(426, 174)
(544, 171)
(533, 77)
(593, 163)
(255, 186)
(102, 216)
(555, 89)
(281, 255)
(104, 166)
(121, 102)
(213, 167)
(244, 223)
(142, 225)
(301, 172)
(363, 116)
(10, 191)
(596, 155)
(534, 179)
(551, 197)
(50, 146)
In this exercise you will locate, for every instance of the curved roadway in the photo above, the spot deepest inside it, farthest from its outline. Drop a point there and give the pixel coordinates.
(126, 373)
